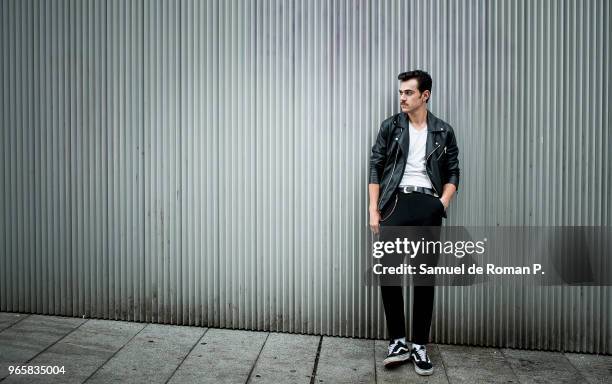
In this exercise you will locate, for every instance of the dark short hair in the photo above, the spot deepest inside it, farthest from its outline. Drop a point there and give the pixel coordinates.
(422, 78)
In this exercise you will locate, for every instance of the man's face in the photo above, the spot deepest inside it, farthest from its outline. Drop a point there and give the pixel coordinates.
(410, 97)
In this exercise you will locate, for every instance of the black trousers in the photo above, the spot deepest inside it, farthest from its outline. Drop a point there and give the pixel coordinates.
(413, 209)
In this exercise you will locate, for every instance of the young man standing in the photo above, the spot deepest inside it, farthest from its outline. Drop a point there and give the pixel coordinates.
(414, 173)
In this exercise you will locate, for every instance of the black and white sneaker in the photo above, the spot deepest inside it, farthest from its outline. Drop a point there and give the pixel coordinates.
(422, 364)
(398, 353)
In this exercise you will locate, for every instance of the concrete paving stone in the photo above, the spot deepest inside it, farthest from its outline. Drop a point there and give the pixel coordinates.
(7, 319)
(221, 356)
(286, 358)
(82, 351)
(116, 351)
(542, 367)
(405, 373)
(26, 339)
(344, 360)
(476, 365)
(151, 356)
(594, 368)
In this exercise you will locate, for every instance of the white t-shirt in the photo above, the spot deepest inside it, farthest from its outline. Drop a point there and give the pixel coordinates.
(415, 172)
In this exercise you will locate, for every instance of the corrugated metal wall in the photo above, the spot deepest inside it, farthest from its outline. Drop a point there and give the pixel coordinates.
(205, 162)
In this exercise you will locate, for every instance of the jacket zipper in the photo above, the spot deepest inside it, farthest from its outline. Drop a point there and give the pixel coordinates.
(426, 161)
(432, 152)
(390, 177)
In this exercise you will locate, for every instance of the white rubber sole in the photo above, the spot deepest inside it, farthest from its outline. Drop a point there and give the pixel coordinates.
(396, 360)
(423, 372)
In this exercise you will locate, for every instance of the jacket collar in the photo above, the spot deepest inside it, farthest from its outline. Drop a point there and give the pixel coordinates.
(433, 123)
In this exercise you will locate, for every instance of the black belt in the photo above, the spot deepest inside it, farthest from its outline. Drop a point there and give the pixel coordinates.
(412, 188)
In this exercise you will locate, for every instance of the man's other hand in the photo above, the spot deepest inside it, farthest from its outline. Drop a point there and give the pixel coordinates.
(375, 221)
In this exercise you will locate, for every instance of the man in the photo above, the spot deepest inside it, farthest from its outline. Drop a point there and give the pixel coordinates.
(414, 173)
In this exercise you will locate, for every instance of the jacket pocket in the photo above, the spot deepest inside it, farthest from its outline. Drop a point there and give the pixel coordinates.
(442, 208)
(442, 153)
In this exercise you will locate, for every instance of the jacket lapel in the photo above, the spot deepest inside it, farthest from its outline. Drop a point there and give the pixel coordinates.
(431, 122)
(432, 126)
(404, 139)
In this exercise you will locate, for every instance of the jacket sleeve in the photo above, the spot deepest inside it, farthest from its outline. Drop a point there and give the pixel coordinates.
(379, 155)
(452, 162)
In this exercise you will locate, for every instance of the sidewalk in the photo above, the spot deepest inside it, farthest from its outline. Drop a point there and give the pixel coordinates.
(105, 351)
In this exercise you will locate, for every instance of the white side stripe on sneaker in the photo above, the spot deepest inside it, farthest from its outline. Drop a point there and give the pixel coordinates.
(397, 348)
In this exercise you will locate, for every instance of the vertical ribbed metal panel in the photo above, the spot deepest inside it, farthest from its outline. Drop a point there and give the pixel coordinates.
(205, 162)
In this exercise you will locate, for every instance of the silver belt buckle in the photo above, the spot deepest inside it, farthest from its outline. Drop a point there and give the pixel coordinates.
(408, 189)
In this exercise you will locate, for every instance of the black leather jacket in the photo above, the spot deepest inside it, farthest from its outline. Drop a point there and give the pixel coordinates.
(390, 150)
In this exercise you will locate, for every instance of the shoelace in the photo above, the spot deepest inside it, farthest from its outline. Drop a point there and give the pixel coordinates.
(422, 354)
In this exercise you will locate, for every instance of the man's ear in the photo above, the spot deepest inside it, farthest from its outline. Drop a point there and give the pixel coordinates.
(427, 94)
